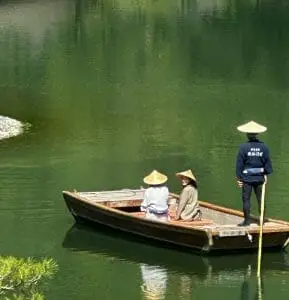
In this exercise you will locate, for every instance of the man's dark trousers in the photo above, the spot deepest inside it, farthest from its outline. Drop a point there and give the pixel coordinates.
(246, 195)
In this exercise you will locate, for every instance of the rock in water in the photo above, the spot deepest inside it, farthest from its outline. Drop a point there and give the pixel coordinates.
(10, 127)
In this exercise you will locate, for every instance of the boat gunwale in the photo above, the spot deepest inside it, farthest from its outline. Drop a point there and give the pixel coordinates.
(210, 231)
(205, 204)
(136, 218)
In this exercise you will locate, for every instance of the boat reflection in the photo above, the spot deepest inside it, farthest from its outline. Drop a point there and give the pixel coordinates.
(113, 244)
(186, 270)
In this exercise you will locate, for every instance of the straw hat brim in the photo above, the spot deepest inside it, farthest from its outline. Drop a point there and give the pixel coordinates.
(154, 182)
(252, 127)
(155, 178)
(187, 174)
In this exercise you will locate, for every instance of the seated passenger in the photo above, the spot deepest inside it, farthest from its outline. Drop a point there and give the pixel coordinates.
(156, 196)
(188, 207)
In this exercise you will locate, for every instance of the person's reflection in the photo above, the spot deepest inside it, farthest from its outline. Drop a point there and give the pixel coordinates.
(154, 282)
(186, 286)
(245, 288)
(245, 291)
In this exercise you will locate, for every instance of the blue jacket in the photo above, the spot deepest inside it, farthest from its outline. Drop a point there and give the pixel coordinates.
(252, 155)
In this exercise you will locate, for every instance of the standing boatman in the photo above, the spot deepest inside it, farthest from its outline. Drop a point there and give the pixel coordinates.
(253, 163)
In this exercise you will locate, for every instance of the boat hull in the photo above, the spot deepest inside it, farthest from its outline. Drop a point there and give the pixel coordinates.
(197, 240)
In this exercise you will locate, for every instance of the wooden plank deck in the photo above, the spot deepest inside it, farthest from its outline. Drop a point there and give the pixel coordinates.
(125, 194)
(214, 217)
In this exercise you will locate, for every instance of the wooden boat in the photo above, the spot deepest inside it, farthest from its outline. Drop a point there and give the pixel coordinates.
(216, 232)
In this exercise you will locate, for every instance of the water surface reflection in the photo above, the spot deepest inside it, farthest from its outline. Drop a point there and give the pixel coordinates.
(154, 281)
(166, 271)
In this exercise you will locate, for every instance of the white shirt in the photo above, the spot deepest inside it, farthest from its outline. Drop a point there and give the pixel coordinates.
(156, 199)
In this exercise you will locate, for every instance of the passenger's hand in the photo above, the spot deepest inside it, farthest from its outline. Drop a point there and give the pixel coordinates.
(240, 183)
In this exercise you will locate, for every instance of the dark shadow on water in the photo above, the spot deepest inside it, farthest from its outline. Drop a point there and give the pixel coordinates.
(110, 243)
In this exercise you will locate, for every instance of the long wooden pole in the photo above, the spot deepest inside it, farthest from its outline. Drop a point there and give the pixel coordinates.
(261, 227)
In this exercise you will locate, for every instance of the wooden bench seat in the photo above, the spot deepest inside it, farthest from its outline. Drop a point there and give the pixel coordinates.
(192, 223)
(202, 222)
(138, 214)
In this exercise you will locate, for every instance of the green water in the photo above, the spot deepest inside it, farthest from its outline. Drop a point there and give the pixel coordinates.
(114, 89)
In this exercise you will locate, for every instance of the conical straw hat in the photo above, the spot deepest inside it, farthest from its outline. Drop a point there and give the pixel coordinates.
(188, 174)
(252, 127)
(155, 178)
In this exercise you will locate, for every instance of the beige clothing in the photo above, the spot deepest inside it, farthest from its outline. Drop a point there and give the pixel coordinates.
(188, 204)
